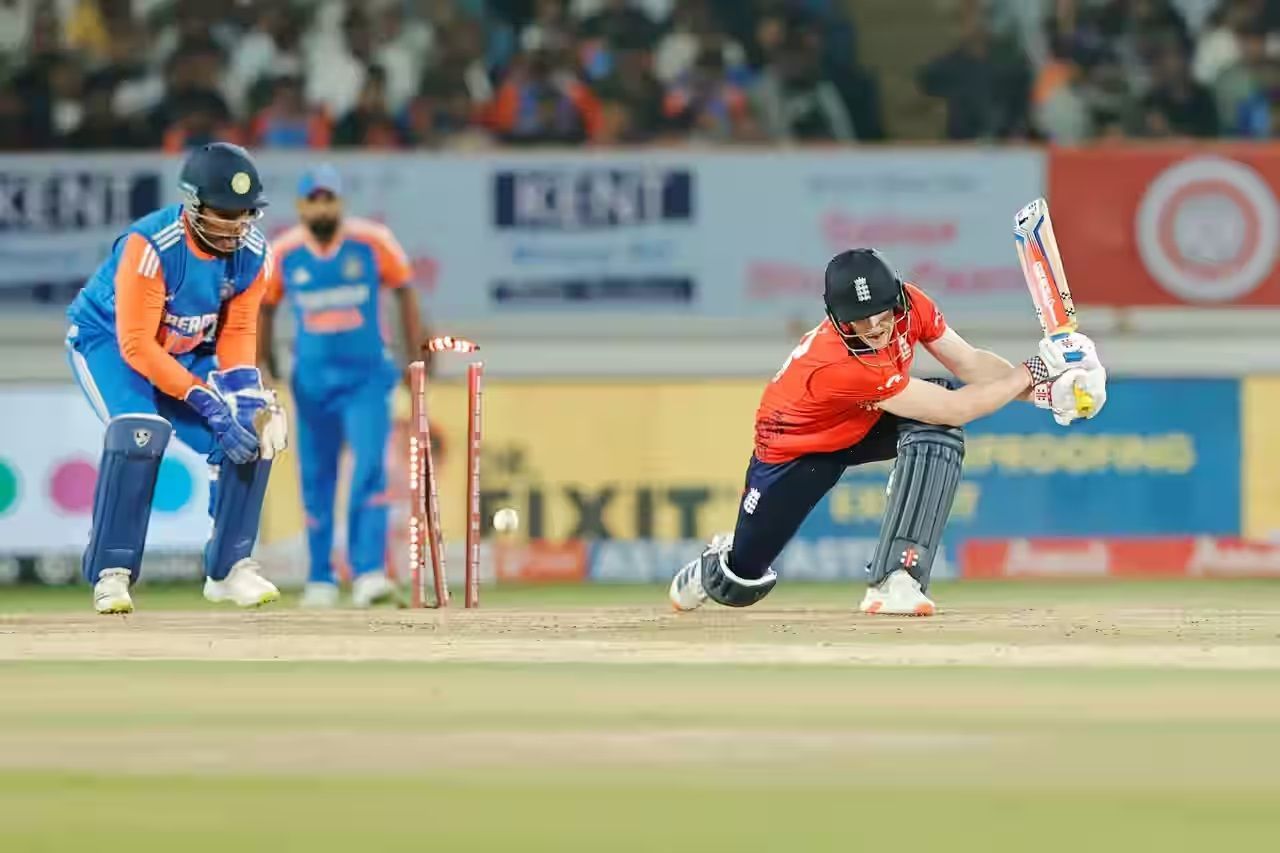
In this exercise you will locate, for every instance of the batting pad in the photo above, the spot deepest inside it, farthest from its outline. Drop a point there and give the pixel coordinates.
(127, 474)
(921, 491)
(236, 507)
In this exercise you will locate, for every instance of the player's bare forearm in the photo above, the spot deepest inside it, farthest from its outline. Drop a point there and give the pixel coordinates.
(266, 343)
(930, 403)
(969, 364)
(410, 322)
(986, 366)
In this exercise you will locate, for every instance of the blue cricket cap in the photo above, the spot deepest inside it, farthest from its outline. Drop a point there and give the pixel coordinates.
(322, 177)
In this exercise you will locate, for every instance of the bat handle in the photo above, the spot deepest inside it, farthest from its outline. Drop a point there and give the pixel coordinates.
(1084, 400)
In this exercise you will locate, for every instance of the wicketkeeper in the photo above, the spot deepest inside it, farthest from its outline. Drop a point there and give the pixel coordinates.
(845, 397)
(163, 341)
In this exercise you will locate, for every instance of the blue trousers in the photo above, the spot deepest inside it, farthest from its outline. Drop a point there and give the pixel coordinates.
(114, 388)
(778, 496)
(358, 416)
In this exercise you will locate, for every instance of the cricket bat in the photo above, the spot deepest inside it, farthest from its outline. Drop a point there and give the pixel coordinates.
(1042, 268)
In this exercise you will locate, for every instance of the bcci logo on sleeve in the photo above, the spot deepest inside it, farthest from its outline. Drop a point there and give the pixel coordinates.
(573, 199)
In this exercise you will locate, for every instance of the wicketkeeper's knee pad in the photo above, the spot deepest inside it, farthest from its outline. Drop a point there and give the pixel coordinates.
(921, 490)
(726, 588)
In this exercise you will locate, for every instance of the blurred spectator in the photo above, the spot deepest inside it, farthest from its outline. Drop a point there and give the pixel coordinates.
(396, 54)
(551, 26)
(269, 50)
(1177, 105)
(634, 94)
(1242, 90)
(693, 28)
(184, 22)
(796, 101)
(707, 105)
(1220, 48)
(65, 87)
(369, 123)
(454, 93)
(618, 19)
(100, 128)
(15, 124)
(16, 20)
(542, 102)
(194, 110)
(1138, 31)
(984, 85)
(337, 64)
(287, 122)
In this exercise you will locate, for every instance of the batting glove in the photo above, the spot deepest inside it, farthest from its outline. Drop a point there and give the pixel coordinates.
(1060, 397)
(1063, 352)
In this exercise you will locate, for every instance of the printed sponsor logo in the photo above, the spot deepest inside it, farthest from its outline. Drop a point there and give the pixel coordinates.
(65, 200)
(1207, 229)
(574, 199)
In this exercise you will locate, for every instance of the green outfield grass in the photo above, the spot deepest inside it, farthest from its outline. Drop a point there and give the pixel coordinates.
(233, 757)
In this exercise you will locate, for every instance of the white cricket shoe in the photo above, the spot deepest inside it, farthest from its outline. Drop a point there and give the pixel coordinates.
(686, 591)
(898, 595)
(319, 596)
(111, 592)
(372, 588)
(242, 585)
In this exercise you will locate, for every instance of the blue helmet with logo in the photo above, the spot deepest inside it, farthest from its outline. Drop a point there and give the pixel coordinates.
(223, 178)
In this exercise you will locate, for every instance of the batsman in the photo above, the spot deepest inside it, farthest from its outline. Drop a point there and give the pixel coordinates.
(162, 342)
(845, 397)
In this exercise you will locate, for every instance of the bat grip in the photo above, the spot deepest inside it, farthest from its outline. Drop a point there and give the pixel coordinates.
(1084, 400)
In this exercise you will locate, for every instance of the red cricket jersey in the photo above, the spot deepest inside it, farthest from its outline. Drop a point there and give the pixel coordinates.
(824, 399)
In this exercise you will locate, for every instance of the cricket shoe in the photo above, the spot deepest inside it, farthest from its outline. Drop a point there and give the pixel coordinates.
(686, 592)
(898, 595)
(319, 596)
(243, 585)
(111, 592)
(372, 588)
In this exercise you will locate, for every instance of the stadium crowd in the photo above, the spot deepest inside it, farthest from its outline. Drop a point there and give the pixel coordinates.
(118, 74)
(99, 74)
(1078, 70)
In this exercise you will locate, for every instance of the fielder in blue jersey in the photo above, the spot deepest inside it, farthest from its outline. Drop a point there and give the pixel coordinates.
(331, 270)
(162, 341)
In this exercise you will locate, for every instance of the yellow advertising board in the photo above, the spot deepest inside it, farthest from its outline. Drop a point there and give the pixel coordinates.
(1260, 468)
(594, 459)
(602, 459)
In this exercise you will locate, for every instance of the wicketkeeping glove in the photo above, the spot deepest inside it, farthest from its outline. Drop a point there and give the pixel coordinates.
(240, 444)
(254, 407)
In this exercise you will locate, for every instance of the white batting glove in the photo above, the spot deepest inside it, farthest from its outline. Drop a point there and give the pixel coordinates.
(1070, 350)
(1059, 395)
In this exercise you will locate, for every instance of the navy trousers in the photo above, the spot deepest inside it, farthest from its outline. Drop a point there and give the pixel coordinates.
(778, 496)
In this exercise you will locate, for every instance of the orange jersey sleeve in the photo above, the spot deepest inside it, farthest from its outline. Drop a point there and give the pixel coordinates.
(238, 338)
(927, 322)
(140, 301)
(273, 284)
(394, 269)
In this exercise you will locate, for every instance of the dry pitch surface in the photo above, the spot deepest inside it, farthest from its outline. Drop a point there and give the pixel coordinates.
(1204, 625)
(1027, 716)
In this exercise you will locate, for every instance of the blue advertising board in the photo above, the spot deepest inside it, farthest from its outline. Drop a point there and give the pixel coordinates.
(1162, 458)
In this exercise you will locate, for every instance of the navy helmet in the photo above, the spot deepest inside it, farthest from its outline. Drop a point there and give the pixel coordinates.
(222, 177)
(861, 283)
